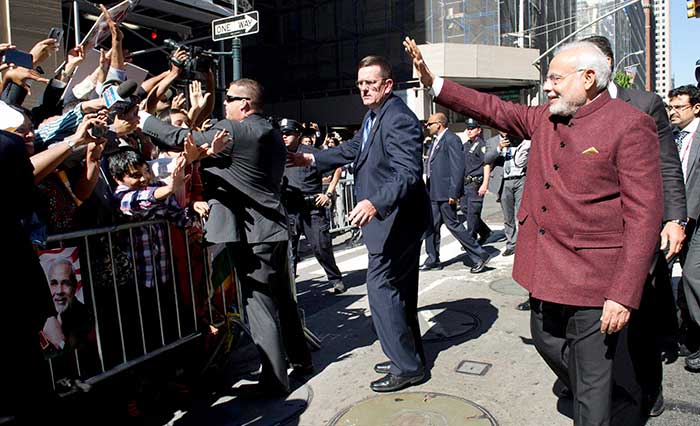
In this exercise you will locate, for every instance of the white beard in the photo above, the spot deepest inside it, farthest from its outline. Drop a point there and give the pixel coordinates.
(565, 107)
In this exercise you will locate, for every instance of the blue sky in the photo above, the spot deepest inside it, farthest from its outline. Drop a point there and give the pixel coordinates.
(685, 44)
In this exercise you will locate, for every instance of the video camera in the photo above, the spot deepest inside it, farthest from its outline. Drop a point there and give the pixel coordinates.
(200, 60)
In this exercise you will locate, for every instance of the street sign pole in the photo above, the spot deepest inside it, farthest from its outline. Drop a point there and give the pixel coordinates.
(236, 55)
(234, 27)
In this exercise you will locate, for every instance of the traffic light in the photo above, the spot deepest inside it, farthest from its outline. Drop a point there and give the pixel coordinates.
(693, 8)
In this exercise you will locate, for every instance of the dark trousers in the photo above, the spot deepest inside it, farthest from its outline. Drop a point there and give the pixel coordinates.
(270, 307)
(443, 212)
(689, 290)
(650, 327)
(392, 289)
(569, 340)
(315, 226)
(472, 204)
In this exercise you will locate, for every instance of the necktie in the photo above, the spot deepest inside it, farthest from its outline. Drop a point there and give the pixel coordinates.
(430, 157)
(367, 128)
(679, 139)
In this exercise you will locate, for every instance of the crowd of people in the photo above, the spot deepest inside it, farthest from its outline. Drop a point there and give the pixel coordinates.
(588, 213)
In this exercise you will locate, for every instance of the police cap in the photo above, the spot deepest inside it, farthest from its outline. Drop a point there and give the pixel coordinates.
(289, 125)
(472, 124)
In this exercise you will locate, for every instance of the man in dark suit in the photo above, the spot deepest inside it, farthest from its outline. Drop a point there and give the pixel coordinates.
(445, 172)
(684, 110)
(656, 318)
(589, 217)
(243, 187)
(393, 211)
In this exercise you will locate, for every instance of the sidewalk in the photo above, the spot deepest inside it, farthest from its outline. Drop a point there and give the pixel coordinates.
(470, 324)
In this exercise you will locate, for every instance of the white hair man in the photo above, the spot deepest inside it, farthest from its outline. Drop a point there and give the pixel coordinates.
(590, 215)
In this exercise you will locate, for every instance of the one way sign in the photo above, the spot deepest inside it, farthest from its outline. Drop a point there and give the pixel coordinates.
(235, 26)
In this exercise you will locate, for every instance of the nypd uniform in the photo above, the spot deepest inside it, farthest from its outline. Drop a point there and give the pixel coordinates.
(471, 202)
(301, 186)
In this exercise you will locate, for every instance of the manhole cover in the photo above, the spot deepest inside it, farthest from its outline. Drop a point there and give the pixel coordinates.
(508, 286)
(443, 324)
(414, 409)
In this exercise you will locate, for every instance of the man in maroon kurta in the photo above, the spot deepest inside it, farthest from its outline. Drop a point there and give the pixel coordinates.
(589, 218)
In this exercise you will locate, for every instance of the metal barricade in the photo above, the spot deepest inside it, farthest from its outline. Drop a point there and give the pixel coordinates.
(143, 293)
(342, 205)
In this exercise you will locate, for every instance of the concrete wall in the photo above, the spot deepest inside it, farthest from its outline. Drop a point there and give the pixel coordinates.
(487, 63)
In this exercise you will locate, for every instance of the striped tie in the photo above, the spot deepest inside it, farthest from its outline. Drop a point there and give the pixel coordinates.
(679, 139)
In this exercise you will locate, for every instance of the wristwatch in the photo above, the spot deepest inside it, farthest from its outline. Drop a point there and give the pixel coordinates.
(682, 223)
(329, 194)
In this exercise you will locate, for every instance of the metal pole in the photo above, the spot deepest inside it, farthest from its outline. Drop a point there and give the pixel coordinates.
(236, 55)
(76, 23)
(646, 5)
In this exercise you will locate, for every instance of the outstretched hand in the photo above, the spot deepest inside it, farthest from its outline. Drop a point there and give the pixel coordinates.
(426, 77)
(297, 159)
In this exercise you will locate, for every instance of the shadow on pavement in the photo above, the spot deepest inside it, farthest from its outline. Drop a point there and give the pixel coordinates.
(486, 313)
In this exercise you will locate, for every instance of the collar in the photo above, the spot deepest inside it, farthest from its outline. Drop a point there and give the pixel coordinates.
(439, 135)
(597, 103)
(692, 127)
(612, 89)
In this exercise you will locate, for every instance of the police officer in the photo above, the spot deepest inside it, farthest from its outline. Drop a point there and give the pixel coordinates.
(306, 206)
(476, 178)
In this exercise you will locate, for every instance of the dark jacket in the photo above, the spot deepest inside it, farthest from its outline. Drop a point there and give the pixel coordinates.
(388, 173)
(671, 171)
(446, 169)
(242, 183)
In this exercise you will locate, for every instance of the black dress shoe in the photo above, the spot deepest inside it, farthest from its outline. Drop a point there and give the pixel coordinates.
(692, 362)
(430, 266)
(391, 383)
(655, 405)
(479, 267)
(383, 367)
(508, 252)
(525, 306)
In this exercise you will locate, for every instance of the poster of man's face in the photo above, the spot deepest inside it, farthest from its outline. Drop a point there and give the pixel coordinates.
(62, 269)
(62, 283)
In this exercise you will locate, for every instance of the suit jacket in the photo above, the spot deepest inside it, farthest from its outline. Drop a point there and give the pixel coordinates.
(589, 223)
(692, 186)
(446, 169)
(671, 170)
(242, 183)
(388, 173)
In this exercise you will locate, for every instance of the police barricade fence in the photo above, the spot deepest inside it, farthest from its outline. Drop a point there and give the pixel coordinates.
(342, 205)
(138, 290)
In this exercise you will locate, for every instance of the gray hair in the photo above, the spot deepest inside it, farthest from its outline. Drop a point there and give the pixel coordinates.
(591, 58)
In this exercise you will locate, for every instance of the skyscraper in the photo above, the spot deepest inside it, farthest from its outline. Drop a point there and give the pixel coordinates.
(662, 50)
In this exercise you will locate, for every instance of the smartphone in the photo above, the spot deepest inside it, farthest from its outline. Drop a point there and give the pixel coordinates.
(57, 34)
(19, 58)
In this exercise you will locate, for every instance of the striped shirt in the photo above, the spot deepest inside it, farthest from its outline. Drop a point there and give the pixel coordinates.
(58, 129)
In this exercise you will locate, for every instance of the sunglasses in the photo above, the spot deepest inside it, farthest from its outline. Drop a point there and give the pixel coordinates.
(230, 98)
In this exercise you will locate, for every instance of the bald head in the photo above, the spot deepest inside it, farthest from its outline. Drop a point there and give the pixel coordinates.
(436, 123)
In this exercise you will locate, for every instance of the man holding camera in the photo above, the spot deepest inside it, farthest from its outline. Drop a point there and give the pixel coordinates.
(508, 179)
(306, 204)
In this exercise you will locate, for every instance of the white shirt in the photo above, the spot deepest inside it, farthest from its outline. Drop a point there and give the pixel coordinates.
(687, 140)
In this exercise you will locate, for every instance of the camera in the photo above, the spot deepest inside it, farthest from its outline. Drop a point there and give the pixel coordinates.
(200, 60)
